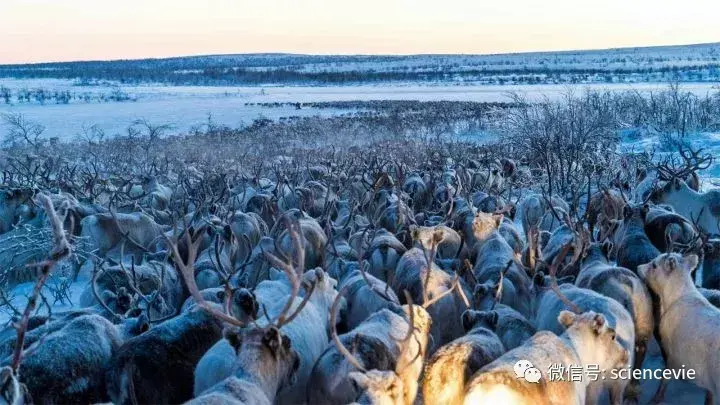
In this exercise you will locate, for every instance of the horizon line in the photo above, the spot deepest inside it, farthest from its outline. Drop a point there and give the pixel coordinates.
(398, 55)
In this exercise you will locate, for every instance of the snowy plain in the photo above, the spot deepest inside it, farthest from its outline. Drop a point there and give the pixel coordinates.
(187, 106)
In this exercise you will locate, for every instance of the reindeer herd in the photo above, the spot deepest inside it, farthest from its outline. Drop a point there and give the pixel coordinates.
(371, 283)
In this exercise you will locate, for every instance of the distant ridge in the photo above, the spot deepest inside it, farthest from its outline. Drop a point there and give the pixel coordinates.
(685, 63)
(399, 56)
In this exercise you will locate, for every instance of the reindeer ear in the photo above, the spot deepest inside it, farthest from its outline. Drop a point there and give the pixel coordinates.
(286, 342)
(493, 319)
(498, 219)
(415, 232)
(708, 248)
(598, 322)
(139, 325)
(234, 336)
(468, 319)
(273, 340)
(690, 261)
(143, 324)
(227, 232)
(606, 247)
(645, 210)
(676, 183)
(6, 373)
(566, 318)
(480, 290)
(320, 274)
(539, 279)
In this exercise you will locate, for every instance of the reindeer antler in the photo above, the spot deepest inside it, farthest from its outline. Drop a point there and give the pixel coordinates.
(692, 162)
(333, 331)
(553, 279)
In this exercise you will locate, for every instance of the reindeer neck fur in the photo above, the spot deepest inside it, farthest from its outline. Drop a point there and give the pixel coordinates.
(251, 370)
(595, 258)
(679, 290)
(583, 353)
(686, 199)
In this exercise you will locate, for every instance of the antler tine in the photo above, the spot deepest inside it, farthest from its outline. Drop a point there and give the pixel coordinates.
(95, 292)
(130, 281)
(692, 161)
(498, 294)
(333, 331)
(306, 298)
(455, 284)
(187, 270)
(405, 342)
(553, 279)
(298, 245)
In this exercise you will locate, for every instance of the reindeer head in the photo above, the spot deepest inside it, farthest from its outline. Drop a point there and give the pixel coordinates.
(594, 338)
(268, 350)
(484, 224)
(668, 271)
(378, 387)
(472, 319)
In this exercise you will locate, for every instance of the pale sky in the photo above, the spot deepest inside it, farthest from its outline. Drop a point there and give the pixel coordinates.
(61, 30)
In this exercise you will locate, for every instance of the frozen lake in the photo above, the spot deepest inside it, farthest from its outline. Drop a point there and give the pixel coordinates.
(188, 106)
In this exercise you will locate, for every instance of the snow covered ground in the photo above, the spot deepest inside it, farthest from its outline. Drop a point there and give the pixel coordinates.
(188, 106)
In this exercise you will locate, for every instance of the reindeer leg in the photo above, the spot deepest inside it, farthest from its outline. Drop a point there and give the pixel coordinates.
(660, 393)
(616, 393)
(593, 393)
(640, 351)
(709, 398)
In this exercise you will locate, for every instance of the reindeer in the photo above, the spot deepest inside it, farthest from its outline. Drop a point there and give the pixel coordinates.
(496, 265)
(364, 294)
(448, 371)
(691, 204)
(587, 339)
(147, 369)
(14, 206)
(376, 344)
(687, 320)
(625, 287)
(309, 343)
(104, 232)
(550, 305)
(668, 231)
(711, 264)
(512, 328)
(608, 203)
(443, 296)
(634, 247)
(451, 245)
(313, 236)
(384, 253)
(482, 227)
(63, 366)
(266, 363)
(117, 290)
